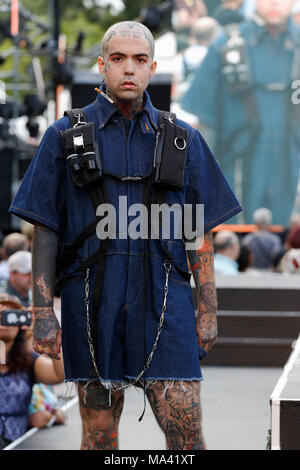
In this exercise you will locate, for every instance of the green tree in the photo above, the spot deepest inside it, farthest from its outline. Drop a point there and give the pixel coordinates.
(92, 17)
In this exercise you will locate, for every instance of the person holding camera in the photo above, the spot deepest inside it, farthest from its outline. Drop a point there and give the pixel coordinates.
(21, 369)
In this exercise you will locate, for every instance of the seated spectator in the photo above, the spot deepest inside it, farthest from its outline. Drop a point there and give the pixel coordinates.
(290, 262)
(227, 247)
(18, 375)
(27, 230)
(245, 259)
(263, 244)
(294, 221)
(11, 244)
(19, 282)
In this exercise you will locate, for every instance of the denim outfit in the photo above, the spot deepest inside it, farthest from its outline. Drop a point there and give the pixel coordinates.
(48, 196)
(268, 175)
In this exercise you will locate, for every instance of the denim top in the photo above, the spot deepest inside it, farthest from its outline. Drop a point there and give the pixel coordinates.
(48, 196)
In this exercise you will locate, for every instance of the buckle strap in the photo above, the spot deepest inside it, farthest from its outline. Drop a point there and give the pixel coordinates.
(125, 178)
(68, 254)
(75, 116)
(131, 178)
(184, 274)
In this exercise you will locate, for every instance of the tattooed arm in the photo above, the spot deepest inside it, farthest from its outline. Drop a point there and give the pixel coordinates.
(202, 265)
(46, 329)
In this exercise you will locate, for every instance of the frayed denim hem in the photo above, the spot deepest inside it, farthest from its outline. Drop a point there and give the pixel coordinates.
(169, 383)
(112, 383)
(116, 385)
(168, 379)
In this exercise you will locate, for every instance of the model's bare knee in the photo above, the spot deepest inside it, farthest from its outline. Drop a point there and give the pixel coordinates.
(100, 411)
(176, 406)
(95, 438)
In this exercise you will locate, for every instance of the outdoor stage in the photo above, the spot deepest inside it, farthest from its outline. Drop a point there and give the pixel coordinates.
(236, 415)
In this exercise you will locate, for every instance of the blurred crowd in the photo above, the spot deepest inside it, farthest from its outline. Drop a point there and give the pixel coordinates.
(236, 78)
(27, 398)
(261, 250)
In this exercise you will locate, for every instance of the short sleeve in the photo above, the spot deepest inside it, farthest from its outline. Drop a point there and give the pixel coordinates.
(42, 192)
(207, 185)
(202, 97)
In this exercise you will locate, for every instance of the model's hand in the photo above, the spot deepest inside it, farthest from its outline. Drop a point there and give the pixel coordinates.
(46, 332)
(207, 330)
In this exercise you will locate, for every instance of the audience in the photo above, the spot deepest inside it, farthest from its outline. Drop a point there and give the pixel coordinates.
(19, 282)
(294, 220)
(22, 368)
(263, 244)
(245, 259)
(11, 244)
(227, 247)
(27, 230)
(203, 32)
(290, 262)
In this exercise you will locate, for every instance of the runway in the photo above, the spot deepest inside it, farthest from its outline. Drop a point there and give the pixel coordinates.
(236, 415)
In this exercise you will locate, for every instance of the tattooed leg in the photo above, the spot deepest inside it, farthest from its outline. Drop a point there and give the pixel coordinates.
(100, 416)
(177, 410)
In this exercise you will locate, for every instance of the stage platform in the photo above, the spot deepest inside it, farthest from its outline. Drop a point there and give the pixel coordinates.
(235, 405)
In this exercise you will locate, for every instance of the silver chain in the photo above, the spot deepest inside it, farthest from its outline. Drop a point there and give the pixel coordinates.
(88, 326)
(167, 266)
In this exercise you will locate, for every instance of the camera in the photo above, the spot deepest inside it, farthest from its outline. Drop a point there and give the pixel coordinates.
(236, 64)
(15, 317)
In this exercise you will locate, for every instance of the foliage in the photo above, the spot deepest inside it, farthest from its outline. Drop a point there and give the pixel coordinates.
(92, 17)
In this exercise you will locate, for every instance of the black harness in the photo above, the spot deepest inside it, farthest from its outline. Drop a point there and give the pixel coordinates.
(84, 160)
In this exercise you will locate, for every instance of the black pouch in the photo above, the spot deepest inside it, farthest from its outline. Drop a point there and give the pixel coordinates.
(83, 154)
(170, 153)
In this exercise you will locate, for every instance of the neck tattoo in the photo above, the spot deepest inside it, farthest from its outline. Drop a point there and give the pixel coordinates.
(128, 108)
